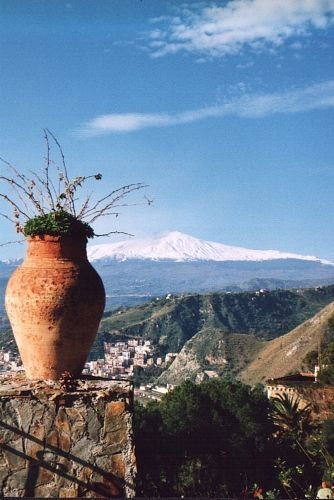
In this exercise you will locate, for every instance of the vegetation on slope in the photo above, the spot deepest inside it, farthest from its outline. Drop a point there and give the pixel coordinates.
(170, 322)
(254, 361)
(212, 349)
(219, 331)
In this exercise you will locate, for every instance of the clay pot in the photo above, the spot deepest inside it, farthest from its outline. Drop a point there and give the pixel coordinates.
(54, 301)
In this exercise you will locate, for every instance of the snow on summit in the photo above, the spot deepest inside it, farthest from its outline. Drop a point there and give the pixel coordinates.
(179, 247)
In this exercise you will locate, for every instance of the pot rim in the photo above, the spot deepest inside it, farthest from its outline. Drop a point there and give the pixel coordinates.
(50, 237)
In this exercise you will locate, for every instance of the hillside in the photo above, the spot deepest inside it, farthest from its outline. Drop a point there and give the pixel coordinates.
(251, 360)
(170, 322)
(212, 350)
(284, 354)
(267, 314)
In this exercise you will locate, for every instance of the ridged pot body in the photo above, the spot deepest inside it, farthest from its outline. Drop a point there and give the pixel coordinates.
(54, 301)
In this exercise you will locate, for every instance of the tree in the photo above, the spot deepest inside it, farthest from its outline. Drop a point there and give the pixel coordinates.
(204, 440)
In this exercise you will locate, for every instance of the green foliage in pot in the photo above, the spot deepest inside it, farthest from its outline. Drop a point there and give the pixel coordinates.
(59, 223)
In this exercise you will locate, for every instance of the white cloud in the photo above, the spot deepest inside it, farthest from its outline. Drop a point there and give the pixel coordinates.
(220, 30)
(317, 96)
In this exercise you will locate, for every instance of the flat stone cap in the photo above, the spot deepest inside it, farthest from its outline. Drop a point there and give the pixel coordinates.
(17, 385)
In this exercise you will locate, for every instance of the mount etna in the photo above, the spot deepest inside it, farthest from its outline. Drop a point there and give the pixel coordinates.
(179, 247)
(136, 270)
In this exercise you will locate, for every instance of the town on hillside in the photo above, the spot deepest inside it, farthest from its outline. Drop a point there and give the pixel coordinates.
(119, 362)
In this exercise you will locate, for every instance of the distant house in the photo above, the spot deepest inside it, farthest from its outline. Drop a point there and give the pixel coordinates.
(289, 384)
(303, 386)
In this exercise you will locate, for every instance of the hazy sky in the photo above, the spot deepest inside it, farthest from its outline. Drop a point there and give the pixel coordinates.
(224, 108)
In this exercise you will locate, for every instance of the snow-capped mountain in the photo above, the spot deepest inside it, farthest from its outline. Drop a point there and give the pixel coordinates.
(179, 247)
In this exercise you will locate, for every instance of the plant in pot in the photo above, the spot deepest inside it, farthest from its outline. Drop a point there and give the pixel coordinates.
(55, 299)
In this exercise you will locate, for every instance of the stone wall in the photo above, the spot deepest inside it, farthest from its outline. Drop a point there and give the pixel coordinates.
(66, 440)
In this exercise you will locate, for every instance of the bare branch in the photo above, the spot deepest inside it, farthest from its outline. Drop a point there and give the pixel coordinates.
(12, 243)
(67, 181)
(46, 183)
(39, 187)
(113, 232)
(102, 212)
(116, 214)
(84, 206)
(61, 153)
(115, 196)
(8, 218)
(15, 221)
(14, 188)
(28, 192)
(14, 205)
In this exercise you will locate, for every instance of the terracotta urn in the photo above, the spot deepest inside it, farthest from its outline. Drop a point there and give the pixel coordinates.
(54, 301)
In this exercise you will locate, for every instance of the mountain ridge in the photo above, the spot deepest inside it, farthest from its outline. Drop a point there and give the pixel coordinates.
(180, 247)
(216, 331)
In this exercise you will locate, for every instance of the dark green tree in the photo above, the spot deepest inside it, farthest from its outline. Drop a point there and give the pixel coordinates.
(212, 439)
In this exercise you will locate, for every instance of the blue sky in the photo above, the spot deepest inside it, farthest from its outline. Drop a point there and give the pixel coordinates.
(224, 108)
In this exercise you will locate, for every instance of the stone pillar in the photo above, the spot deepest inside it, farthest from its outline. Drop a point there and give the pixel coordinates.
(66, 440)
